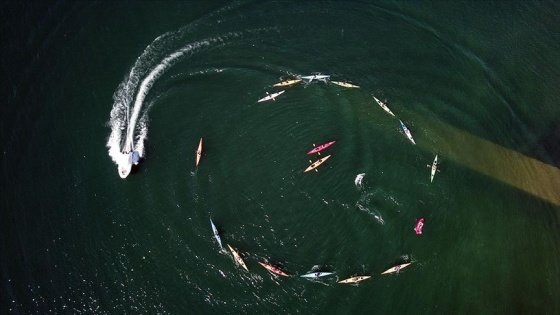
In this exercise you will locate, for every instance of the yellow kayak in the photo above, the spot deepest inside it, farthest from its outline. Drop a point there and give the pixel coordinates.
(287, 82)
(396, 268)
(345, 84)
(238, 258)
(354, 279)
(316, 164)
(199, 152)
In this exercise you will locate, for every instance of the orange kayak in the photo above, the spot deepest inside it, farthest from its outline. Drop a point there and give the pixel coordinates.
(199, 152)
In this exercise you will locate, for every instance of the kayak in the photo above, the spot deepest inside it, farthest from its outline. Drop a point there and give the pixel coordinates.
(354, 279)
(321, 77)
(345, 84)
(419, 226)
(216, 235)
(270, 96)
(407, 132)
(434, 169)
(273, 269)
(317, 274)
(238, 258)
(199, 152)
(396, 268)
(287, 82)
(384, 106)
(321, 147)
(315, 164)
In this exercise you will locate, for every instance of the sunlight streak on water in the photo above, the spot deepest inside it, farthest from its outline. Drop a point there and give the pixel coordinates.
(513, 168)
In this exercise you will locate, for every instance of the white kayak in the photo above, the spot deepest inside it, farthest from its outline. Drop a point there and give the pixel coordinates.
(396, 268)
(315, 275)
(407, 132)
(434, 169)
(320, 77)
(355, 279)
(345, 84)
(271, 96)
(216, 235)
(384, 106)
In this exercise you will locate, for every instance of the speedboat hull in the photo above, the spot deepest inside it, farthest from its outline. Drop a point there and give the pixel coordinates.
(125, 165)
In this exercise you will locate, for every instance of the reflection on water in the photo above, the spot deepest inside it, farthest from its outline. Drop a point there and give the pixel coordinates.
(513, 168)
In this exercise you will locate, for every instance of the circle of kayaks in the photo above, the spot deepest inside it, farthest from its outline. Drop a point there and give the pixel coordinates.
(317, 149)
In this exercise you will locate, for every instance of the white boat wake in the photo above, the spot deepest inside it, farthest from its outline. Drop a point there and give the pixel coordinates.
(128, 119)
(373, 213)
(129, 130)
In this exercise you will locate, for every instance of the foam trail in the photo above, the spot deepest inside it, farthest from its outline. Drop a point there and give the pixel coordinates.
(358, 180)
(123, 117)
(148, 82)
(128, 132)
(375, 213)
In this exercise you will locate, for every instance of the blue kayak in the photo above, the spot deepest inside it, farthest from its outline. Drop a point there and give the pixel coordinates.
(216, 235)
(407, 132)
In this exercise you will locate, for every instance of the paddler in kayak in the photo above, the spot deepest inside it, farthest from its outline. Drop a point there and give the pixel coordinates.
(419, 226)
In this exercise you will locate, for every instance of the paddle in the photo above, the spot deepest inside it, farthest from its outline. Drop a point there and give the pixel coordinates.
(316, 170)
(318, 153)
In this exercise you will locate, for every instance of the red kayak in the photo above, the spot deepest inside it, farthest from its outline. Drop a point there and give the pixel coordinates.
(321, 147)
(273, 269)
(419, 226)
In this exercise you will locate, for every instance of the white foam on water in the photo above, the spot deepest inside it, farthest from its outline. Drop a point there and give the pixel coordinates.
(358, 180)
(374, 213)
(128, 118)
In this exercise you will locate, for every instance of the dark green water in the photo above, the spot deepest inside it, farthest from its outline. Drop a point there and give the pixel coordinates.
(477, 83)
